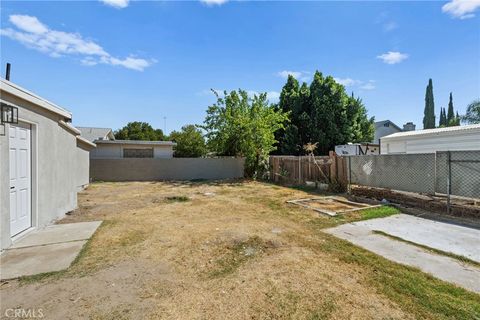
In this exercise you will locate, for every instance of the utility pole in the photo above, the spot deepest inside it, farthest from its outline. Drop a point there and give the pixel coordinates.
(164, 125)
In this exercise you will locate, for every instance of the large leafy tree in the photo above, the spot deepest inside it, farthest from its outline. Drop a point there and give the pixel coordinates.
(294, 100)
(238, 125)
(329, 125)
(361, 128)
(472, 115)
(321, 113)
(139, 131)
(429, 111)
(190, 142)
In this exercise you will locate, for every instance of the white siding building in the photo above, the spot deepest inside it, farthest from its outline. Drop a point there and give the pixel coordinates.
(432, 140)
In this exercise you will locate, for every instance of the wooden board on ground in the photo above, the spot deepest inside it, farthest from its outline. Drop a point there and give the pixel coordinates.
(331, 205)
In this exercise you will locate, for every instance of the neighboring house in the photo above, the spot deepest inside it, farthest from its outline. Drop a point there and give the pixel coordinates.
(385, 128)
(109, 148)
(92, 134)
(44, 162)
(115, 149)
(432, 140)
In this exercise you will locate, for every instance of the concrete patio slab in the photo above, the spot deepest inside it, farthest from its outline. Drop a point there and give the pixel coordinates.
(57, 233)
(442, 267)
(38, 259)
(50, 249)
(443, 236)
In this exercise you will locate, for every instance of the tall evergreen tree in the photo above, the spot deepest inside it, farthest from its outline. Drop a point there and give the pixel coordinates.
(450, 114)
(443, 118)
(429, 111)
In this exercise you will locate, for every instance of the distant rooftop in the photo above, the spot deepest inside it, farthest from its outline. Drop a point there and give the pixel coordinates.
(93, 134)
(142, 142)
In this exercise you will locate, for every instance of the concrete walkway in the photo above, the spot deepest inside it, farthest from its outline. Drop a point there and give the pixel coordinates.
(442, 236)
(52, 248)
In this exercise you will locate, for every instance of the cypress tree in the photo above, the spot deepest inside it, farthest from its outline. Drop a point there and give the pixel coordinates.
(429, 111)
(443, 119)
(450, 115)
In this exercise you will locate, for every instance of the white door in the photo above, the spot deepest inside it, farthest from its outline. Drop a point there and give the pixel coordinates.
(20, 178)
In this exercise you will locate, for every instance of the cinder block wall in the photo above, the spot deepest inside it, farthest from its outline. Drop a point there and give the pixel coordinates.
(129, 169)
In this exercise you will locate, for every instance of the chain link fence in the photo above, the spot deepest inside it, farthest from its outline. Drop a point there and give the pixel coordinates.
(448, 173)
(406, 172)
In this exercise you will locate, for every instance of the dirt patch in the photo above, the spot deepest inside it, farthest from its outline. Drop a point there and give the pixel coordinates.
(240, 252)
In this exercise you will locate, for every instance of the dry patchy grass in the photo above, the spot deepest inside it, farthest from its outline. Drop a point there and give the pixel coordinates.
(236, 250)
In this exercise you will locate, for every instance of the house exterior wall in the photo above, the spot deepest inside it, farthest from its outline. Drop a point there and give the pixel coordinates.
(443, 141)
(382, 131)
(57, 169)
(115, 151)
(83, 166)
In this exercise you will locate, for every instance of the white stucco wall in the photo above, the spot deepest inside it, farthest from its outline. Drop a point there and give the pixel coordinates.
(59, 167)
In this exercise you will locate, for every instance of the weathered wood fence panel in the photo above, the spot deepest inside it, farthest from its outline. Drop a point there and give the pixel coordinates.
(299, 169)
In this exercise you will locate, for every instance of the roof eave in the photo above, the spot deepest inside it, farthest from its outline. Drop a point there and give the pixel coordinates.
(24, 94)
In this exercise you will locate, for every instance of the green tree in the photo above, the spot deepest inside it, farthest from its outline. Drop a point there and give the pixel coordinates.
(289, 140)
(361, 128)
(190, 142)
(329, 118)
(429, 111)
(443, 118)
(450, 114)
(472, 115)
(139, 131)
(323, 114)
(237, 125)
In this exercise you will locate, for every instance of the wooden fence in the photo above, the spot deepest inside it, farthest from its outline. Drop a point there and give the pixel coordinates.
(299, 169)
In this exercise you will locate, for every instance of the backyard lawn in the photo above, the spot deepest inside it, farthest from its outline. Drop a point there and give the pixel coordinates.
(227, 250)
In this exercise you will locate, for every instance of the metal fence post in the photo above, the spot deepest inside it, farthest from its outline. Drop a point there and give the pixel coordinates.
(449, 180)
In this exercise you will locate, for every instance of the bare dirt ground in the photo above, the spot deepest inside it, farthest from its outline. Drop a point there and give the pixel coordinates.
(230, 250)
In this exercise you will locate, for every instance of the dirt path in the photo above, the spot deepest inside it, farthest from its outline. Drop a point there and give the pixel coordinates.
(209, 251)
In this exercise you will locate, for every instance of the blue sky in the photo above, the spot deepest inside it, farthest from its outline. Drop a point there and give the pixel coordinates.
(118, 61)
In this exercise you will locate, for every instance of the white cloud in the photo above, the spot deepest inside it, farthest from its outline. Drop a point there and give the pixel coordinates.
(35, 35)
(393, 57)
(118, 4)
(390, 26)
(370, 85)
(272, 96)
(347, 82)
(285, 73)
(213, 2)
(304, 76)
(28, 24)
(461, 9)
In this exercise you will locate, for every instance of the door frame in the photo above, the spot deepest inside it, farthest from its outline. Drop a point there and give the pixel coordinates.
(33, 177)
